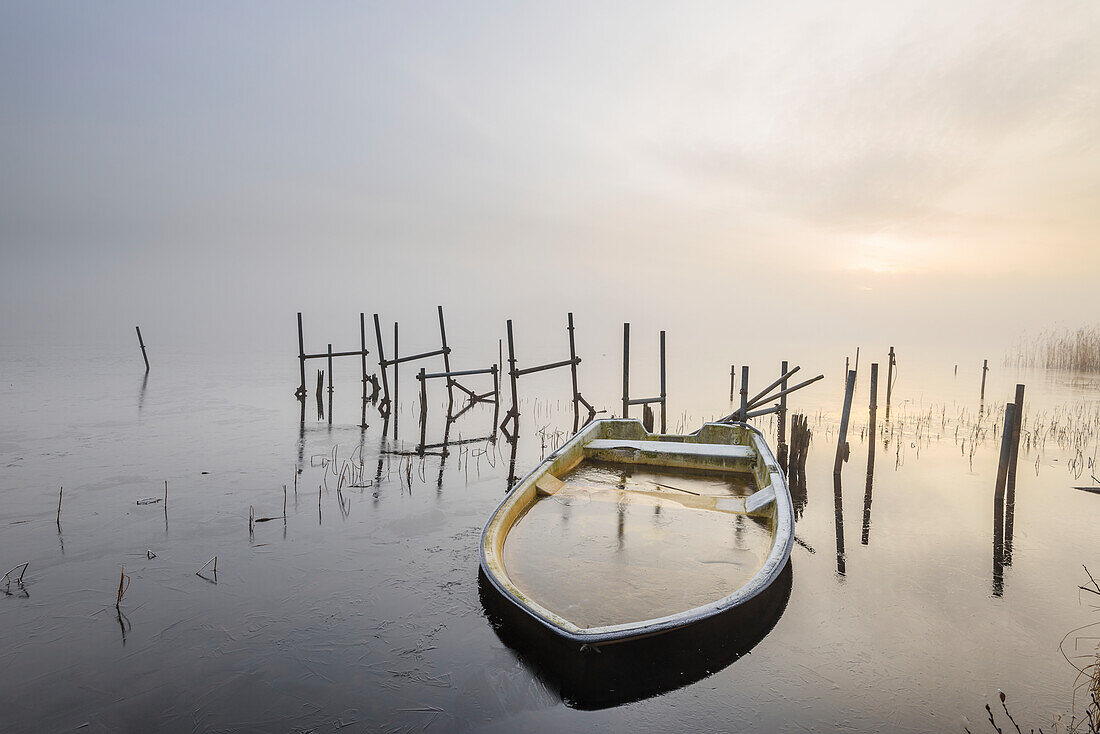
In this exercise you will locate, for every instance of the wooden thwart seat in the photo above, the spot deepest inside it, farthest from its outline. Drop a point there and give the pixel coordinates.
(702, 451)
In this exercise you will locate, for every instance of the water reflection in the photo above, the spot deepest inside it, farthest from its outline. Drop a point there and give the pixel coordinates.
(838, 516)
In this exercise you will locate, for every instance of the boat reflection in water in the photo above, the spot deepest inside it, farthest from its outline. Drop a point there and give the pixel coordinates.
(640, 668)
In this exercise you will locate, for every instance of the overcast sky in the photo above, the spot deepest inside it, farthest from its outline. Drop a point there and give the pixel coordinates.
(213, 166)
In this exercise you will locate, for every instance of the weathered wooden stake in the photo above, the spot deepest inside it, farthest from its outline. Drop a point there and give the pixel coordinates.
(396, 367)
(889, 381)
(59, 495)
(782, 437)
(626, 370)
(330, 384)
(363, 342)
(387, 405)
(985, 369)
(842, 438)
(1010, 481)
(573, 374)
(424, 406)
(664, 395)
(999, 500)
(446, 354)
(142, 344)
(871, 446)
(301, 359)
(733, 389)
(744, 392)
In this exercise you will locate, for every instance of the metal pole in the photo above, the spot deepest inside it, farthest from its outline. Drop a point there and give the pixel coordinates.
(664, 396)
(626, 370)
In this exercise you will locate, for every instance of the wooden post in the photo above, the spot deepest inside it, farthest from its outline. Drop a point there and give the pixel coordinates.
(142, 345)
(394, 408)
(871, 446)
(782, 438)
(889, 381)
(496, 397)
(842, 438)
(733, 389)
(626, 370)
(999, 500)
(744, 392)
(512, 374)
(424, 403)
(330, 384)
(446, 354)
(382, 367)
(573, 373)
(363, 346)
(301, 359)
(985, 369)
(1010, 482)
(664, 395)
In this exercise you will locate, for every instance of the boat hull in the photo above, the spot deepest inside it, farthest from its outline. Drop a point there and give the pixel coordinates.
(714, 448)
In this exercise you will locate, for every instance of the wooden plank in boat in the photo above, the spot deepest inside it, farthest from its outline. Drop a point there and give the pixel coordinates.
(548, 484)
(723, 451)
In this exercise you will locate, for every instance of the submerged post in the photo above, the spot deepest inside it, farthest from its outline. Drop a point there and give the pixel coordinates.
(394, 409)
(382, 367)
(424, 405)
(514, 412)
(744, 392)
(733, 389)
(782, 438)
(664, 395)
(301, 359)
(842, 438)
(330, 384)
(1010, 481)
(363, 346)
(146, 356)
(985, 369)
(446, 355)
(573, 374)
(889, 381)
(626, 370)
(999, 501)
(871, 446)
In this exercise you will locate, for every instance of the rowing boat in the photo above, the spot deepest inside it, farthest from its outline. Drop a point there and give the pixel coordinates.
(623, 534)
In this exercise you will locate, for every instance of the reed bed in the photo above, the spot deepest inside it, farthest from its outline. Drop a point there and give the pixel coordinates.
(1059, 349)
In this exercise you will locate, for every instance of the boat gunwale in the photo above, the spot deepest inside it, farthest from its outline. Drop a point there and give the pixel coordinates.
(771, 568)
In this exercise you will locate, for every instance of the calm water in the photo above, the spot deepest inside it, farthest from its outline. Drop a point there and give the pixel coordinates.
(362, 610)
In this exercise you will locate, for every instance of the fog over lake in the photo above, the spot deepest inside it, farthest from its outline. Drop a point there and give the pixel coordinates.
(762, 184)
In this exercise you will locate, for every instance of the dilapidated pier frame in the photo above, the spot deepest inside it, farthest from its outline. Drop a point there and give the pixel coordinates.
(328, 355)
(750, 407)
(627, 400)
(514, 373)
